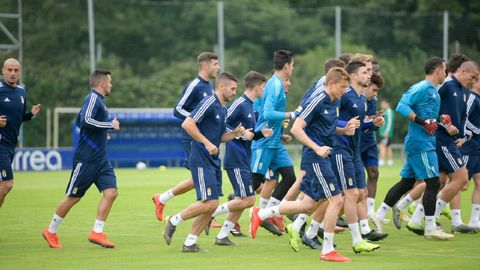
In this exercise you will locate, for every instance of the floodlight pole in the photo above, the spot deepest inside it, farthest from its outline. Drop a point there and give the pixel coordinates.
(91, 35)
(221, 35)
(338, 31)
(445, 35)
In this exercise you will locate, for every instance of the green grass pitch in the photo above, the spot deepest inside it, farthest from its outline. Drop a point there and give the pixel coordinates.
(138, 235)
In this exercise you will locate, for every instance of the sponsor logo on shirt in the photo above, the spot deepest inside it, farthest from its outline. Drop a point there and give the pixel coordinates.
(205, 94)
(6, 99)
(325, 112)
(249, 115)
(21, 98)
(218, 116)
(355, 105)
(454, 94)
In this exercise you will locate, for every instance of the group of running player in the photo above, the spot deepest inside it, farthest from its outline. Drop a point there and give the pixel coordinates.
(335, 122)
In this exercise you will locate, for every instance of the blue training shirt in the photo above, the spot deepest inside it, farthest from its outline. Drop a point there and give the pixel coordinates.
(94, 123)
(321, 116)
(192, 94)
(210, 117)
(13, 104)
(472, 147)
(367, 138)
(271, 111)
(423, 99)
(352, 105)
(238, 152)
(453, 101)
(317, 88)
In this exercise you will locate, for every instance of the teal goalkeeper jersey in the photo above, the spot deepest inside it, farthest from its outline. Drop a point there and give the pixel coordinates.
(271, 110)
(423, 99)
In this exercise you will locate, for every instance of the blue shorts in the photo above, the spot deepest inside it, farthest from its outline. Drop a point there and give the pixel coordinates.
(269, 158)
(84, 174)
(272, 175)
(370, 156)
(208, 182)
(450, 159)
(241, 180)
(320, 181)
(420, 166)
(187, 149)
(350, 172)
(473, 164)
(6, 158)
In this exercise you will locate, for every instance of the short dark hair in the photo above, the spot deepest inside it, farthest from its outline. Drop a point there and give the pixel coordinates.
(206, 57)
(353, 66)
(345, 58)
(98, 76)
(377, 79)
(455, 61)
(281, 58)
(432, 64)
(226, 76)
(253, 78)
(331, 63)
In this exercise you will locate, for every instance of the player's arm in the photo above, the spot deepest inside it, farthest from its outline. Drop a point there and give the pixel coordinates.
(32, 113)
(347, 127)
(299, 133)
(87, 116)
(404, 108)
(180, 111)
(269, 112)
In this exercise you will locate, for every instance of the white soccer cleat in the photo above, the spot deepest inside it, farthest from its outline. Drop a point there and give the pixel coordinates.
(437, 233)
(377, 222)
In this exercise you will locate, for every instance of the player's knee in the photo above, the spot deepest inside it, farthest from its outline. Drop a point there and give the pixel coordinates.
(372, 174)
(309, 208)
(110, 194)
(249, 202)
(211, 205)
(433, 184)
(352, 194)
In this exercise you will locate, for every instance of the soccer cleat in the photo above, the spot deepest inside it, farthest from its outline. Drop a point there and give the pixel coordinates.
(236, 231)
(410, 209)
(416, 228)
(476, 226)
(313, 243)
(334, 256)
(268, 225)
(293, 237)
(374, 236)
(225, 242)
(363, 245)
(462, 228)
(437, 233)
(100, 239)
(52, 239)
(447, 212)
(193, 248)
(169, 231)
(255, 222)
(397, 219)
(377, 222)
(279, 222)
(158, 206)
(342, 223)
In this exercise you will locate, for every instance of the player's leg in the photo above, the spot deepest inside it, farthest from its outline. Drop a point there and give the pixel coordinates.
(201, 221)
(382, 152)
(6, 176)
(161, 199)
(475, 215)
(389, 152)
(370, 161)
(294, 191)
(331, 214)
(5, 187)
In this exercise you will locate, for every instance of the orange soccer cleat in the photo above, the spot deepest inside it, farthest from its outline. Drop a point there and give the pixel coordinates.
(158, 206)
(255, 222)
(100, 239)
(334, 256)
(52, 239)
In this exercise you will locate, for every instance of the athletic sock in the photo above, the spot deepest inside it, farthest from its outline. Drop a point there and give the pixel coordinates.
(98, 226)
(382, 211)
(456, 217)
(475, 216)
(371, 205)
(430, 223)
(164, 197)
(404, 202)
(355, 231)
(176, 220)
(221, 209)
(441, 204)
(364, 227)
(273, 202)
(312, 229)
(417, 215)
(263, 203)
(327, 243)
(299, 221)
(55, 223)
(268, 212)
(226, 228)
(191, 240)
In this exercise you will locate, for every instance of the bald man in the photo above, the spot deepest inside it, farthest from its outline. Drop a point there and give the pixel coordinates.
(454, 95)
(13, 112)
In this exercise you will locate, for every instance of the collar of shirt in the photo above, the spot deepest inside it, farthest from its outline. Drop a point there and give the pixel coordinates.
(98, 93)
